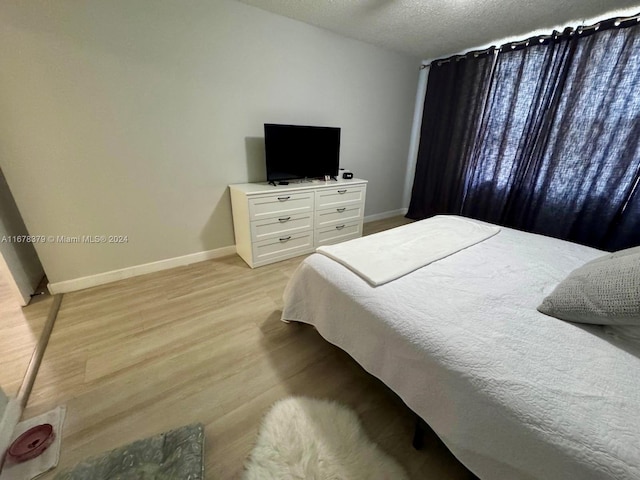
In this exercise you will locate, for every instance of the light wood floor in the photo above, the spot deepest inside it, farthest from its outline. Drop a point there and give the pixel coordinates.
(204, 343)
(20, 329)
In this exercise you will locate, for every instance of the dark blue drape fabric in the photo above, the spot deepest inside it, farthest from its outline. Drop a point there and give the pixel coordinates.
(448, 134)
(543, 138)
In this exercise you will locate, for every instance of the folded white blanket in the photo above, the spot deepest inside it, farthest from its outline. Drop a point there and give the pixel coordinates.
(385, 256)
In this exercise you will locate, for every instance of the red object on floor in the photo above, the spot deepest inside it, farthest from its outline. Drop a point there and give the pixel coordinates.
(31, 443)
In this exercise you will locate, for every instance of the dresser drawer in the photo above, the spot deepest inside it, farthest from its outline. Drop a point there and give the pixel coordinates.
(271, 224)
(333, 215)
(280, 226)
(281, 247)
(344, 195)
(280, 205)
(338, 233)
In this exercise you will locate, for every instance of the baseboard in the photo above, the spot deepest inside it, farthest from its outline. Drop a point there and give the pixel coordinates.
(383, 215)
(10, 418)
(115, 275)
(38, 352)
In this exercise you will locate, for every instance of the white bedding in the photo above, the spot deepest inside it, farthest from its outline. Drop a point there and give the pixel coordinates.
(513, 393)
(393, 253)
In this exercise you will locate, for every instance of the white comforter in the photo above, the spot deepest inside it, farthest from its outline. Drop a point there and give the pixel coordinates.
(514, 394)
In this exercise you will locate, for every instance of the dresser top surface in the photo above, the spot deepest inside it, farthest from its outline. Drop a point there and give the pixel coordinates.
(264, 187)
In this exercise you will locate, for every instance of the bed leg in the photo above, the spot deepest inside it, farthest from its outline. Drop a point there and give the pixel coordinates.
(419, 433)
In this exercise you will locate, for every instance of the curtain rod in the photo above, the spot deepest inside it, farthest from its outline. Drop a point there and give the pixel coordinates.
(619, 22)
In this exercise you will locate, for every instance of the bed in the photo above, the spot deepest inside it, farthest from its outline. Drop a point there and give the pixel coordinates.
(513, 393)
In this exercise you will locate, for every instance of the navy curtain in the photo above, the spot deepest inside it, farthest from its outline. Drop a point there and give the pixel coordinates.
(454, 98)
(546, 139)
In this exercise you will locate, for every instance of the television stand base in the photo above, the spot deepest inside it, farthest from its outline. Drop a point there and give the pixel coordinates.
(300, 181)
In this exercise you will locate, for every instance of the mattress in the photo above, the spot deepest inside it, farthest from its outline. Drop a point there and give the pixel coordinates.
(513, 393)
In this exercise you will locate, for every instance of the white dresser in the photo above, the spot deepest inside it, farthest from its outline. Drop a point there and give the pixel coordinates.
(272, 223)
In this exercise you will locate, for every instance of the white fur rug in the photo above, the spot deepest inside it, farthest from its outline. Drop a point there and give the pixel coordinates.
(307, 439)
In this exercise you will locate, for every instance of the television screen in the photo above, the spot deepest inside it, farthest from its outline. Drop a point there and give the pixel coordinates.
(298, 151)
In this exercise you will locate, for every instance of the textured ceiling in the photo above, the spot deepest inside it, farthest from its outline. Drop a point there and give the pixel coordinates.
(430, 28)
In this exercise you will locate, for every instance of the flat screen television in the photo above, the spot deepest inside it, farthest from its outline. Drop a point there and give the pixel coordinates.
(301, 151)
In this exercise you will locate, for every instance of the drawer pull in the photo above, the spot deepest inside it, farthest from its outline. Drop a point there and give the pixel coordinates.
(284, 199)
(285, 219)
(340, 210)
(342, 191)
(285, 239)
(339, 227)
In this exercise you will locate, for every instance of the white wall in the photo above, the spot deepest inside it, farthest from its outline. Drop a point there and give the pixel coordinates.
(19, 264)
(131, 118)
